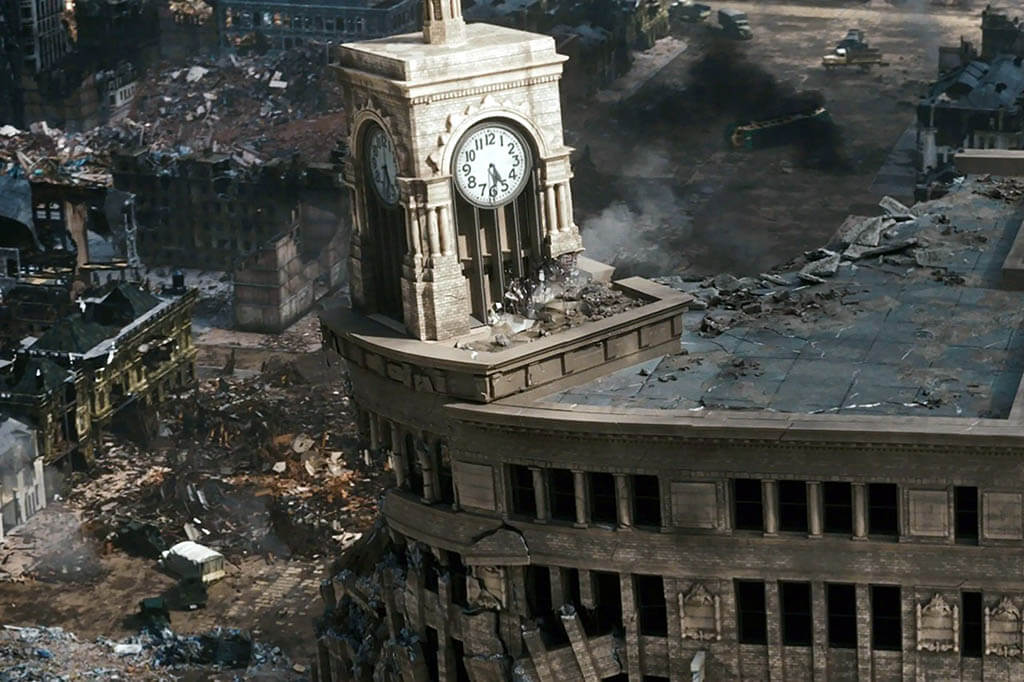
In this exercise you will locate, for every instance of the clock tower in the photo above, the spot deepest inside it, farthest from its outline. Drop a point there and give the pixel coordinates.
(459, 173)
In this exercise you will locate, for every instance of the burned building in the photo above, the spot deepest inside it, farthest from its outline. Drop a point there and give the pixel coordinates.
(120, 354)
(22, 481)
(804, 475)
(296, 22)
(44, 36)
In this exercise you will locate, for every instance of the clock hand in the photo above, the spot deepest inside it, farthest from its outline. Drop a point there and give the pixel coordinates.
(493, 172)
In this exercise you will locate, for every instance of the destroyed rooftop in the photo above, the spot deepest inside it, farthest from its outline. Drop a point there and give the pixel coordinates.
(923, 331)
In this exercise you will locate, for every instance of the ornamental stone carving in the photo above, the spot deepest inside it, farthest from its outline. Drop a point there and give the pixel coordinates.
(1003, 629)
(700, 614)
(938, 625)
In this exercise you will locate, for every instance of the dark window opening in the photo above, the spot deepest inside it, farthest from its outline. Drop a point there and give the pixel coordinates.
(602, 498)
(655, 678)
(524, 499)
(459, 652)
(646, 501)
(606, 616)
(572, 587)
(414, 471)
(793, 506)
(750, 609)
(841, 604)
(429, 570)
(972, 630)
(457, 573)
(886, 624)
(562, 495)
(748, 508)
(796, 614)
(965, 512)
(650, 603)
(838, 507)
(430, 651)
(883, 509)
(538, 590)
(445, 480)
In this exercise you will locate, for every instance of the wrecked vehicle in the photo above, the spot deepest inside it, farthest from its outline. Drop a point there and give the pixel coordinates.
(773, 131)
(191, 560)
(853, 50)
(734, 24)
(689, 12)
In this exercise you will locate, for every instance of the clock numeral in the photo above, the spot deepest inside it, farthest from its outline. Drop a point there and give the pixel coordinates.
(471, 181)
(515, 161)
(478, 143)
(494, 190)
(504, 186)
(490, 138)
(466, 168)
(511, 147)
(512, 174)
(470, 155)
(482, 188)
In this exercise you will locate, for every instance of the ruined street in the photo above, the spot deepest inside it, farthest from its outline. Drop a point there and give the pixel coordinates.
(694, 205)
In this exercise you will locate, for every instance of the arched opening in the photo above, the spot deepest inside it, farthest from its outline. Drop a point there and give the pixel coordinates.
(498, 244)
(414, 470)
(385, 239)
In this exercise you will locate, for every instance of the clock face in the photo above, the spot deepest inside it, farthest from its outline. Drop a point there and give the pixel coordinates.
(382, 165)
(491, 165)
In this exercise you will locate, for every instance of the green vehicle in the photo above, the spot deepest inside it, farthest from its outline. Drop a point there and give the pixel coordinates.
(773, 131)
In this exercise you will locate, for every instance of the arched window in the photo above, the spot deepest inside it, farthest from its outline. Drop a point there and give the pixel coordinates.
(385, 242)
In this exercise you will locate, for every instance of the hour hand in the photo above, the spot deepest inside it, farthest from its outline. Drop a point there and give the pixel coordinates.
(492, 172)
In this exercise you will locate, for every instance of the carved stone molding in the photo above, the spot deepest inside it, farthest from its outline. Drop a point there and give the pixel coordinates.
(700, 614)
(938, 625)
(1003, 634)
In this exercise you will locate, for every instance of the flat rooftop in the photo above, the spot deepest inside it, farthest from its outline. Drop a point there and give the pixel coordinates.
(922, 331)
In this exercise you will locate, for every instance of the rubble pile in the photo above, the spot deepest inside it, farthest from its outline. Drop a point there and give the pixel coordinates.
(53, 654)
(558, 297)
(264, 465)
(254, 108)
(258, 103)
(43, 153)
(899, 238)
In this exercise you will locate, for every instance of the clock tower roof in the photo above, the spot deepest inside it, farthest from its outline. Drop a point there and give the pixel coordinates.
(488, 51)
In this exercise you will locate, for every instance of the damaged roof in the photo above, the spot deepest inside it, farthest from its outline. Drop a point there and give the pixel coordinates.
(922, 330)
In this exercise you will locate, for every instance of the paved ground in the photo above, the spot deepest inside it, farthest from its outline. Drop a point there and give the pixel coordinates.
(93, 590)
(695, 206)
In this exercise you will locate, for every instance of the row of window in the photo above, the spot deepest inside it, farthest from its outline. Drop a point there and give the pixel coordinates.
(841, 616)
(644, 494)
(882, 503)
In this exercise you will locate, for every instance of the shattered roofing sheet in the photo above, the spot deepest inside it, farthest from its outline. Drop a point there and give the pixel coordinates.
(876, 338)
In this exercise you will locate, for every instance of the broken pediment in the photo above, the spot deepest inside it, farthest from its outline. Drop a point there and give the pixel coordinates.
(937, 625)
(700, 614)
(503, 547)
(1003, 629)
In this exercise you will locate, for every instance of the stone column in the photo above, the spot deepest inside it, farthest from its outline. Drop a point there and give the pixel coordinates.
(814, 508)
(433, 234)
(773, 618)
(397, 461)
(819, 633)
(562, 193)
(579, 480)
(427, 467)
(552, 209)
(540, 494)
(864, 667)
(769, 503)
(622, 500)
(446, 229)
(860, 511)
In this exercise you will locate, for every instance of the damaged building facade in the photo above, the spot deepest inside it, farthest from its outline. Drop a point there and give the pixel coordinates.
(294, 23)
(120, 354)
(976, 103)
(807, 475)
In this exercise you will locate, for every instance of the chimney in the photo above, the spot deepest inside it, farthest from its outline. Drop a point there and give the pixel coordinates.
(443, 23)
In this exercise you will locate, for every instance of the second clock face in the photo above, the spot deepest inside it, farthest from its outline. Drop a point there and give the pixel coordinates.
(382, 165)
(491, 165)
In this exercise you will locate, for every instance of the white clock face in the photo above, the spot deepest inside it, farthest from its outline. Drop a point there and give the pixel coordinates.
(382, 165)
(491, 165)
